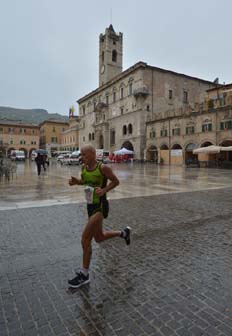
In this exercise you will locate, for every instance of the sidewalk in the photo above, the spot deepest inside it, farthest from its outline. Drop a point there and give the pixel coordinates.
(174, 279)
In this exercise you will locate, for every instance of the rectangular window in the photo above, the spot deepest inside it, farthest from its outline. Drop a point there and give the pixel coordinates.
(121, 93)
(107, 100)
(130, 89)
(176, 131)
(190, 130)
(122, 110)
(170, 94)
(222, 126)
(112, 137)
(185, 97)
(152, 134)
(164, 133)
(54, 140)
(114, 97)
(53, 129)
(206, 128)
(1, 130)
(228, 124)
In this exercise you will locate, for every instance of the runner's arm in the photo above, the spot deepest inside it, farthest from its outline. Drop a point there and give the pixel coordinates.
(75, 181)
(114, 182)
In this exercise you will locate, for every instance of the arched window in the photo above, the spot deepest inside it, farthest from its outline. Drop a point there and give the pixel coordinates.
(102, 57)
(130, 129)
(124, 130)
(92, 136)
(89, 136)
(114, 56)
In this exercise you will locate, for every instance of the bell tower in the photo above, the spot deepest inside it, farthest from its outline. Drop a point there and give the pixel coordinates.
(110, 55)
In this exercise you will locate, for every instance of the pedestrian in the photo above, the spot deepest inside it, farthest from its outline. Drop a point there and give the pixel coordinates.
(94, 177)
(39, 162)
(47, 160)
(44, 162)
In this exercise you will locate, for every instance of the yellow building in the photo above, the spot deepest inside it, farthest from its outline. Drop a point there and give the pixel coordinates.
(51, 134)
(15, 135)
(70, 137)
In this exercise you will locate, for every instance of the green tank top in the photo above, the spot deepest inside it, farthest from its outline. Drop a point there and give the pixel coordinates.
(94, 178)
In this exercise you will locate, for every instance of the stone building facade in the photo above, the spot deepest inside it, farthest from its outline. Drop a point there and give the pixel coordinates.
(123, 110)
(173, 139)
(18, 136)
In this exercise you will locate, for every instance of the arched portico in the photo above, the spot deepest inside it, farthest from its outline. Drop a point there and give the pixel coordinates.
(176, 154)
(225, 157)
(206, 144)
(189, 157)
(164, 154)
(128, 145)
(101, 142)
(152, 154)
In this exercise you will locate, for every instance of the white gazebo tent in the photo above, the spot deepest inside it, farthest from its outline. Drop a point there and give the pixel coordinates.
(207, 150)
(123, 151)
(226, 149)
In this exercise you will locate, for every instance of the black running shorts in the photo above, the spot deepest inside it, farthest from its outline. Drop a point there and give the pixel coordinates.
(102, 207)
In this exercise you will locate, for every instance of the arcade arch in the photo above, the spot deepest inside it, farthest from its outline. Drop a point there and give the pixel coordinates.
(128, 145)
(188, 154)
(152, 154)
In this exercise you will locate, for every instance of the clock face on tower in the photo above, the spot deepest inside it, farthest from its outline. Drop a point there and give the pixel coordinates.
(102, 69)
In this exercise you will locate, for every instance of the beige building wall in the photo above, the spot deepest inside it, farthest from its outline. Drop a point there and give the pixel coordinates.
(51, 134)
(212, 126)
(15, 136)
(70, 137)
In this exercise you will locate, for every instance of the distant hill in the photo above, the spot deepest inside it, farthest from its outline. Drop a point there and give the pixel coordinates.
(33, 116)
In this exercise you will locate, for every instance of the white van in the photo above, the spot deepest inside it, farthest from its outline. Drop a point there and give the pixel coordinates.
(33, 155)
(18, 155)
(102, 155)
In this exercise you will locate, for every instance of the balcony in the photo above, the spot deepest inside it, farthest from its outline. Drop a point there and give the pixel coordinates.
(100, 106)
(141, 92)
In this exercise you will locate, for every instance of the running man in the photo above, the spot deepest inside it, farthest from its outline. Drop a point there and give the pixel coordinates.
(94, 176)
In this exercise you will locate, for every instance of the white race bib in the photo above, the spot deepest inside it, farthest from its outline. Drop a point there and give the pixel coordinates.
(89, 191)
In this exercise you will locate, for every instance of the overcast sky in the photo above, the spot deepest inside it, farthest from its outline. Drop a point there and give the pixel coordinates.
(49, 48)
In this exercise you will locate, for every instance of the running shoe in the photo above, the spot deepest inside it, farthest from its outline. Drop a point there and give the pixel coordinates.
(126, 235)
(79, 280)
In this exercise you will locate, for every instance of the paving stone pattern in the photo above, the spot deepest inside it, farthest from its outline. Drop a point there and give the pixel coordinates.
(174, 279)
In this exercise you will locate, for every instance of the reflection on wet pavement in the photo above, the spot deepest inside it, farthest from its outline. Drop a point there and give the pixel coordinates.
(27, 189)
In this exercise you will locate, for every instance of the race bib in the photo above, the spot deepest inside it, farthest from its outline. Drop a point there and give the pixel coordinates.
(89, 191)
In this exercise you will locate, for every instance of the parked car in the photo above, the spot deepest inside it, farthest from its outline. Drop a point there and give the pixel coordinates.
(75, 158)
(17, 155)
(65, 159)
(60, 157)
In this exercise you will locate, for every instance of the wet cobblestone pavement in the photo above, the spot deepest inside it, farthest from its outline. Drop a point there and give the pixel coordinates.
(174, 279)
